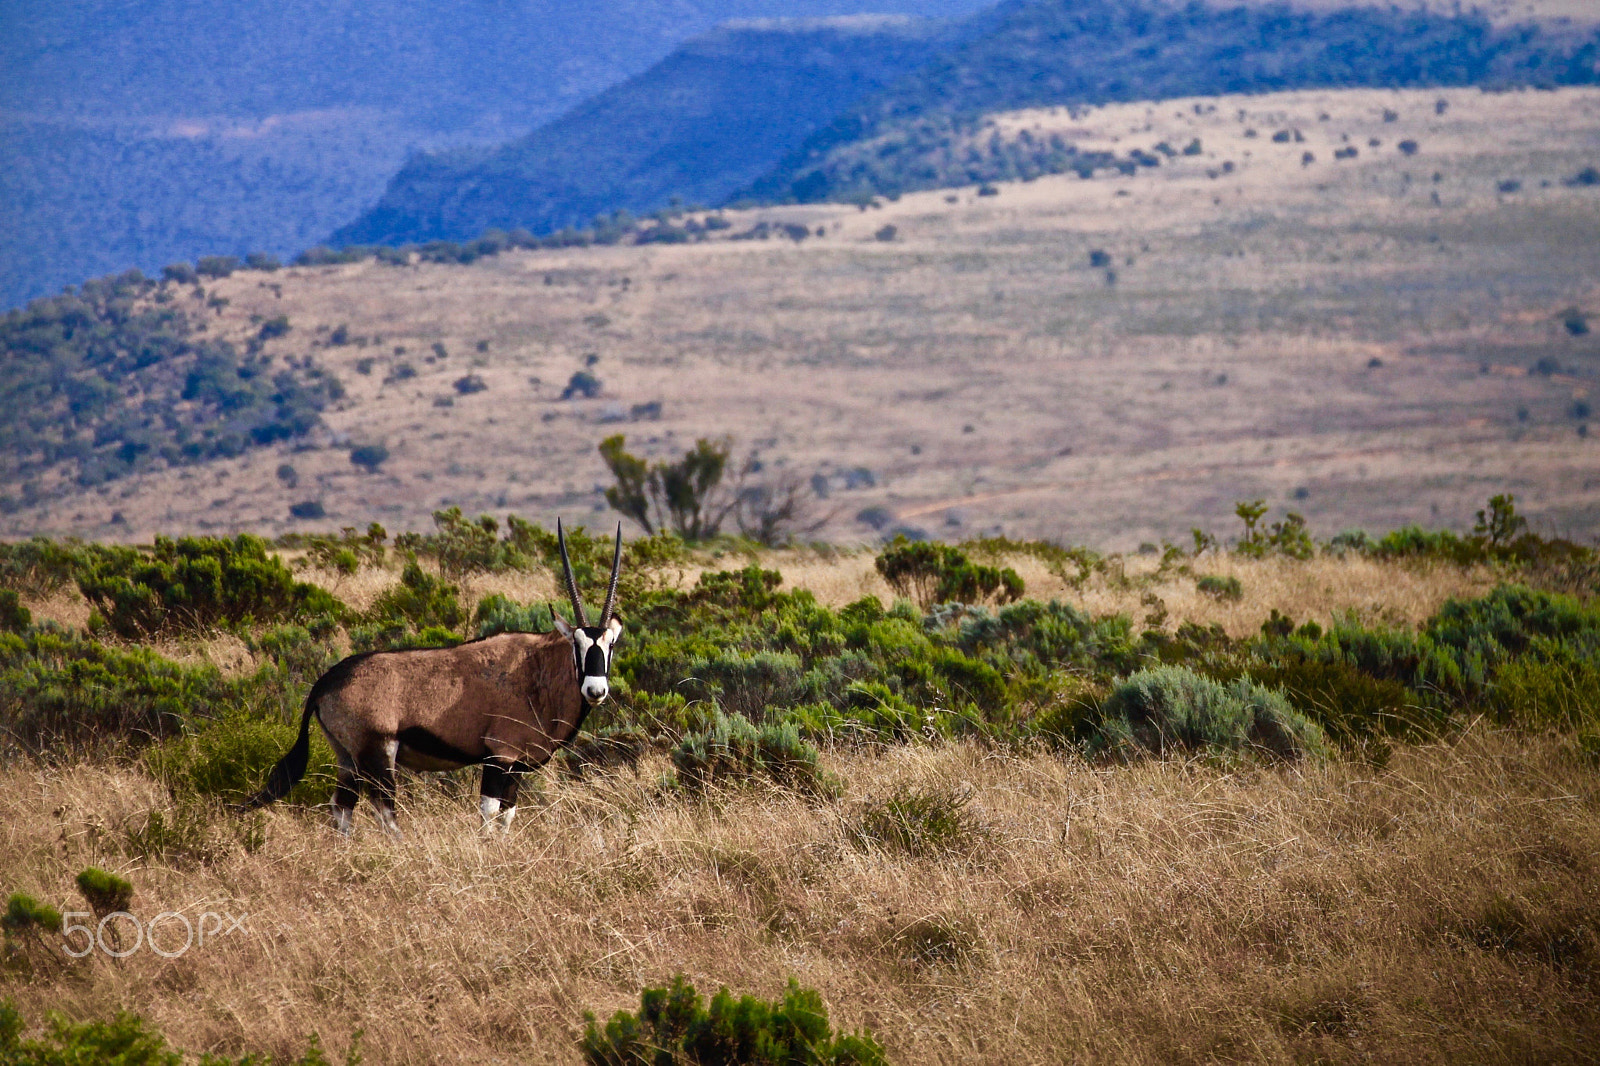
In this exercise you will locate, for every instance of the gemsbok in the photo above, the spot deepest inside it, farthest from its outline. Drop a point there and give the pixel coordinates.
(505, 703)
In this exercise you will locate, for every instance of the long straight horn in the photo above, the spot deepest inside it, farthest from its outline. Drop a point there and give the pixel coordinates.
(572, 582)
(616, 571)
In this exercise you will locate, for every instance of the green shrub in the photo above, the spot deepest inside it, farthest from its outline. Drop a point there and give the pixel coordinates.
(672, 1028)
(732, 751)
(500, 614)
(1350, 706)
(25, 947)
(38, 567)
(14, 618)
(195, 583)
(1172, 708)
(924, 823)
(228, 757)
(1220, 587)
(682, 497)
(122, 1041)
(420, 600)
(931, 573)
(60, 691)
(1554, 689)
(24, 914)
(364, 549)
(747, 684)
(104, 891)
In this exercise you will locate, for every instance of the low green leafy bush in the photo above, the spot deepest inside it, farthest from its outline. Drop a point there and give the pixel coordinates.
(497, 613)
(25, 947)
(105, 892)
(924, 823)
(420, 611)
(1173, 708)
(673, 1028)
(39, 566)
(61, 692)
(733, 751)
(930, 573)
(14, 617)
(1350, 706)
(125, 1040)
(229, 756)
(195, 583)
(1220, 587)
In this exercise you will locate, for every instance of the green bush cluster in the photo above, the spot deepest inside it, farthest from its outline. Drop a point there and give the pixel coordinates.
(196, 583)
(345, 554)
(105, 892)
(71, 361)
(731, 750)
(1174, 709)
(421, 611)
(125, 1040)
(62, 692)
(462, 546)
(921, 822)
(930, 573)
(674, 1028)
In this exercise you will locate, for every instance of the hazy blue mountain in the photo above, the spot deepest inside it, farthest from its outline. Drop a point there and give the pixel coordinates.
(138, 134)
(711, 117)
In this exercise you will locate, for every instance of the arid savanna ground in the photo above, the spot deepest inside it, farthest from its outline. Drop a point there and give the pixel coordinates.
(1370, 341)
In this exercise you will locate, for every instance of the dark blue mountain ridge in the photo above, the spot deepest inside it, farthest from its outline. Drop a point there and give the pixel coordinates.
(711, 117)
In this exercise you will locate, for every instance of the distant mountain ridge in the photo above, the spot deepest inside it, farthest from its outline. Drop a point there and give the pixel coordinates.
(140, 134)
(711, 117)
(748, 130)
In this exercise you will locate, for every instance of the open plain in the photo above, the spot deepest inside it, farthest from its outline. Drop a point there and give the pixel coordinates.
(1387, 337)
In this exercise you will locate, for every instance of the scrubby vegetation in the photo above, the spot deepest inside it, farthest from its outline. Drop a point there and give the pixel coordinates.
(734, 693)
(126, 1040)
(672, 1027)
(72, 362)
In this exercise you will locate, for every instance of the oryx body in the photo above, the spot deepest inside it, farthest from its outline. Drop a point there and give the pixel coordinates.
(505, 703)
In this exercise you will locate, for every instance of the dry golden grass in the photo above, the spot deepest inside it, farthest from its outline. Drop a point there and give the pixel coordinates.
(977, 366)
(1442, 909)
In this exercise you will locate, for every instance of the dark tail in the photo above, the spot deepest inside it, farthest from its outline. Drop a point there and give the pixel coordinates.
(290, 769)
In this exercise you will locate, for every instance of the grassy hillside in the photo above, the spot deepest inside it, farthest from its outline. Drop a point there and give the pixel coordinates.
(705, 121)
(1111, 360)
(983, 853)
(911, 136)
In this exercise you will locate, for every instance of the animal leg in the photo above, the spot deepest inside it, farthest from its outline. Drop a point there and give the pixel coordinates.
(346, 791)
(378, 775)
(491, 793)
(508, 801)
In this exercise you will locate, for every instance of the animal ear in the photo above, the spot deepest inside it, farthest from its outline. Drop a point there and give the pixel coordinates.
(614, 629)
(561, 624)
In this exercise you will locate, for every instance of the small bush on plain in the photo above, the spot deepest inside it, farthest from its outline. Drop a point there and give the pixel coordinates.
(674, 1028)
